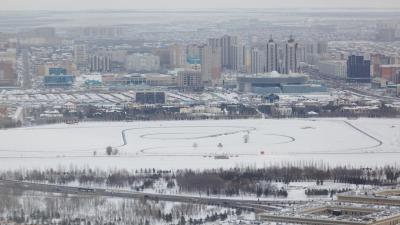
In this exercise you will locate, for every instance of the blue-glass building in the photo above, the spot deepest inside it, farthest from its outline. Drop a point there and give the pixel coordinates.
(58, 80)
(57, 71)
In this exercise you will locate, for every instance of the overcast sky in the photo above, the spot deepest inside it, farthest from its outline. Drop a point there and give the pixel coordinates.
(178, 4)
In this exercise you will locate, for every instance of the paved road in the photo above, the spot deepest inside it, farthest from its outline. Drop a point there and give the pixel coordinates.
(229, 203)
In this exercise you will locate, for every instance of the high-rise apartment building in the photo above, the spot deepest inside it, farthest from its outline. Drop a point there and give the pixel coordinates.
(322, 47)
(336, 68)
(194, 51)
(115, 55)
(238, 58)
(247, 58)
(98, 63)
(257, 61)
(271, 56)
(310, 46)
(142, 62)
(163, 54)
(216, 66)
(45, 31)
(93, 31)
(291, 59)
(214, 42)
(252, 40)
(358, 69)
(210, 63)
(80, 53)
(378, 60)
(386, 31)
(189, 80)
(177, 56)
(226, 50)
(6, 74)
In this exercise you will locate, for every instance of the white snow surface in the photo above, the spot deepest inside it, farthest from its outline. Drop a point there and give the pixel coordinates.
(169, 144)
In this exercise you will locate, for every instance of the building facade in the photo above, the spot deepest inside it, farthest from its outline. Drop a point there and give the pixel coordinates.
(101, 64)
(189, 80)
(6, 74)
(238, 58)
(358, 69)
(163, 54)
(150, 97)
(142, 62)
(257, 61)
(271, 56)
(80, 53)
(291, 59)
(114, 55)
(334, 68)
(177, 56)
(227, 42)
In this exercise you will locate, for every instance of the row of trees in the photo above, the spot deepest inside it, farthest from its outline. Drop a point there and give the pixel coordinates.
(311, 192)
(43, 208)
(240, 180)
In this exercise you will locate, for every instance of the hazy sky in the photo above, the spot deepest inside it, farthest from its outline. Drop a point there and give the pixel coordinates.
(171, 4)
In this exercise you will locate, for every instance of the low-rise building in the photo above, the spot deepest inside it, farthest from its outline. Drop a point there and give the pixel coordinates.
(69, 106)
(340, 101)
(393, 89)
(378, 82)
(283, 110)
(150, 97)
(93, 85)
(5, 105)
(331, 214)
(200, 110)
(360, 109)
(58, 80)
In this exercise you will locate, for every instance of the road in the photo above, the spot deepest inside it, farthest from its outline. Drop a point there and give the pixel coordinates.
(335, 82)
(224, 202)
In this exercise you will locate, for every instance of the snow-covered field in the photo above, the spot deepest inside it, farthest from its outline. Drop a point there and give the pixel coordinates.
(169, 144)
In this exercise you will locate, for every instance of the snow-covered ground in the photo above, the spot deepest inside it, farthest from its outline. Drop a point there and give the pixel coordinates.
(169, 144)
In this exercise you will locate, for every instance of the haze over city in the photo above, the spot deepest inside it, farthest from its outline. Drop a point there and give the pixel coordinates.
(44, 5)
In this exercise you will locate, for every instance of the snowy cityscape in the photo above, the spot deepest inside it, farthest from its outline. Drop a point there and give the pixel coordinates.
(186, 113)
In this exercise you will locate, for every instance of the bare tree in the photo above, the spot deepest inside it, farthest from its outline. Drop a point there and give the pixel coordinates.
(219, 146)
(246, 138)
(109, 150)
(115, 151)
(195, 145)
